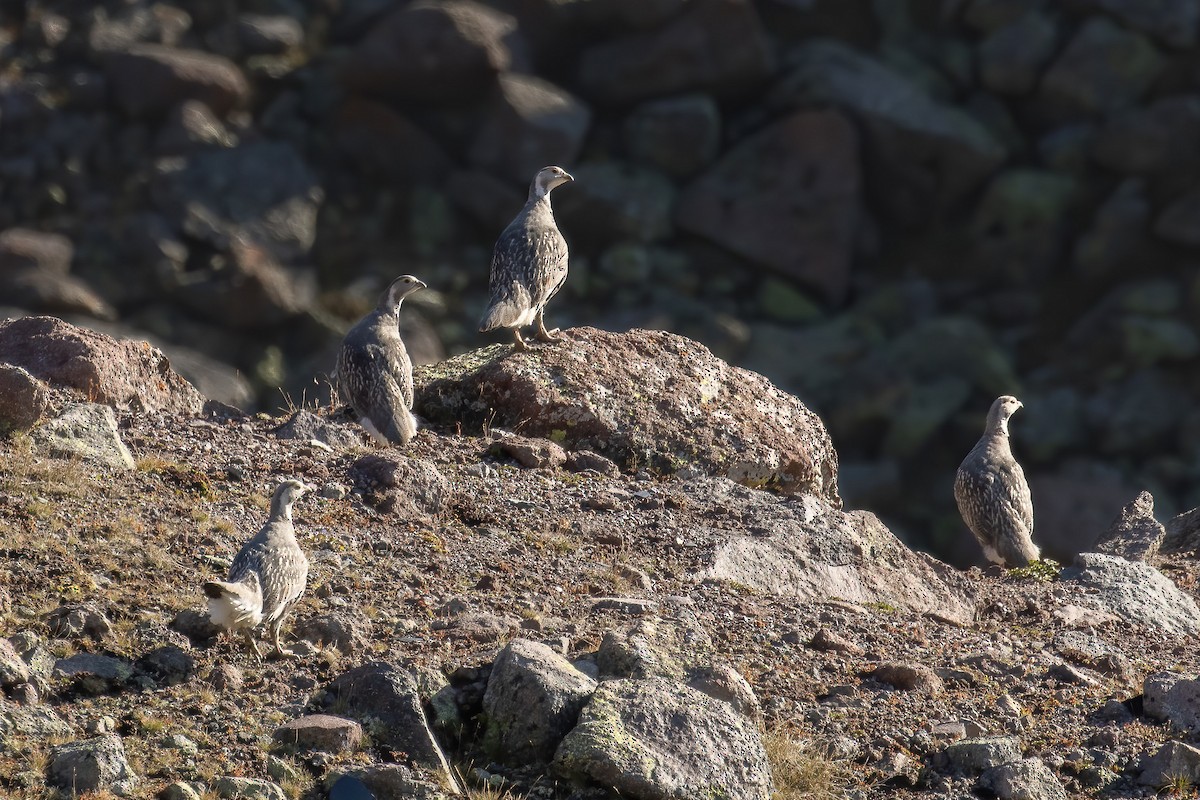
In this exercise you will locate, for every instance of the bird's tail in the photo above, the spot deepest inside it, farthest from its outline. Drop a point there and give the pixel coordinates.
(234, 605)
(498, 315)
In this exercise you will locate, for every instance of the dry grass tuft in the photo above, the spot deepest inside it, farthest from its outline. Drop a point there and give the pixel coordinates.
(803, 770)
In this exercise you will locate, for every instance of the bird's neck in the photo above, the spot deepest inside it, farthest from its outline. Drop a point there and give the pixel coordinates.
(281, 510)
(998, 427)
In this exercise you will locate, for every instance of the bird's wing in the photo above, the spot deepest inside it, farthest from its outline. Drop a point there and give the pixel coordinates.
(379, 387)
(509, 279)
(549, 264)
(285, 576)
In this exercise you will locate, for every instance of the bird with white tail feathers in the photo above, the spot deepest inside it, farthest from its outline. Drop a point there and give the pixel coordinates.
(529, 263)
(374, 373)
(266, 578)
(993, 495)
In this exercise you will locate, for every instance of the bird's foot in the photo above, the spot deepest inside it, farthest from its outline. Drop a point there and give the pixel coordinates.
(520, 345)
(283, 653)
(544, 335)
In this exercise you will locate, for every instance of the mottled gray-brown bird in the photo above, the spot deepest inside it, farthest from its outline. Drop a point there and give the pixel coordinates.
(267, 576)
(529, 263)
(993, 495)
(374, 372)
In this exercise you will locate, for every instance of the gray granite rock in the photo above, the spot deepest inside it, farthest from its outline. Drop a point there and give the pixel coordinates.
(1135, 591)
(981, 753)
(1135, 535)
(1174, 760)
(1172, 697)
(1027, 779)
(324, 732)
(91, 765)
(87, 431)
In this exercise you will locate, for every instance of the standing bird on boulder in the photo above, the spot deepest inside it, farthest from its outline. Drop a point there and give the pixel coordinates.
(374, 373)
(267, 576)
(529, 263)
(993, 495)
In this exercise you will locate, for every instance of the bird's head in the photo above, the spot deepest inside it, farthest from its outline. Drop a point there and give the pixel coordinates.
(286, 495)
(1003, 408)
(399, 289)
(547, 179)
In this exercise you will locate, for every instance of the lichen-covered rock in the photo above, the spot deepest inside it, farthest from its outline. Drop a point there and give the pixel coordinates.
(1173, 761)
(533, 699)
(786, 198)
(656, 740)
(680, 135)
(13, 669)
(1027, 779)
(1135, 535)
(87, 431)
(120, 373)
(1135, 591)
(640, 398)
(400, 484)
(23, 399)
(91, 765)
(1174, 698)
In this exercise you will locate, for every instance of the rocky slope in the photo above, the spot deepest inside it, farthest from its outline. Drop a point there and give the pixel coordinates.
(499, 614)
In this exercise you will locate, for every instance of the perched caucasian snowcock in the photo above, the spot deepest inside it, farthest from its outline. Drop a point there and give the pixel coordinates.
(374, 373)
(529, 263)
(267, 576)
(993, 495)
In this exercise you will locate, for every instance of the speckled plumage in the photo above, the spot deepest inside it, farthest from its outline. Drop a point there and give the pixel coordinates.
(993, 495)
(266, 578)
(529, 263)
(374, 372)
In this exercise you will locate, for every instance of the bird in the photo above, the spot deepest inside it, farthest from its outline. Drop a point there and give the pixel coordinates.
(267, 576)
(373, 371)
(993, 495)
(529, 263)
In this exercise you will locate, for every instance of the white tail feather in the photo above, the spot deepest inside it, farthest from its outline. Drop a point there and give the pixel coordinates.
(238, 606)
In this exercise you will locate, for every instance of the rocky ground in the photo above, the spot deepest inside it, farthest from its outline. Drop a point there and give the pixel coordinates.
(866, 669)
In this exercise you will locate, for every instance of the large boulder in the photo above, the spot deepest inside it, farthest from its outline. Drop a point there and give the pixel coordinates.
(383, 143)
(717, 46)
(656, 740)
(1172, 697)
(680, 134)
(91, 765)
(1135, 534)
(23, 399)
(1135, 591)
(786, 198)
(1102, 69)
(120, 373)
(533, 699)
(811, 552)
(920, 151)
(149, 80)
(87, 431)
(643, 398)
(1175, 22)
(35, 274)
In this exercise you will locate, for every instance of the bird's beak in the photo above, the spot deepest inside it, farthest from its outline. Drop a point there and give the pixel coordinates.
(421, 284)
(568, 176)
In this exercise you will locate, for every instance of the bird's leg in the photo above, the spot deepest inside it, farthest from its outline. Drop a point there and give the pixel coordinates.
(521, 344)
(544, 335)
(248, 634)
(280, 651)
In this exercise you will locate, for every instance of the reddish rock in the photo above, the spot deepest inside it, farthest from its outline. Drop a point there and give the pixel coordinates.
(149, 80)
(105, 370)
(529, 123)
(323, 732)
(23, 399)
(643, 398)
(437, 52)
(786, 198)
(910, 678)
(718, 46)
(531, 453)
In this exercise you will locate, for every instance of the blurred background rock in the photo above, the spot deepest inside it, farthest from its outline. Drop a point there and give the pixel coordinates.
(897, 210)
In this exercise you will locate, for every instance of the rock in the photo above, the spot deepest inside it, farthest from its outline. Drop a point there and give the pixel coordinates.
(478, 626)
(346, 632)
(390, 697)
(812, 553)
(1136, 413)
(148, 80)
(612, 200)
(1174, 760)
(261, 195)
(489, 201)
(168, 665)
(1116, 233)
(322, 732)
(533, 699)
(1027, 779)
(87, 431)
(91, 765)
(1021, 219)
(1183, 532)
(13, 669)
(671, 648)
(226, 678)
(786, 198)
(49, 292)
(585, 460)
(988, 15)
(529, 123)
(119, 373)
(236, 788)
(1150, 139)
(922, 151)
(117, 29)
(827, 640)
(436, 52)
(180, 790)
(23, 400)
(1172, 21)
(305, 426)
(715, 46)
(1171, 697)
(679, 135)
(1178, 221)
(77, 621)
(1011, 57)
(388, 781)
(723, 682)
(910, 677)
(195, 625)
(402, 485)
(262, 34)
(37, 722)
(589, 394)
(979, 754)
(191, 126)
(531, 453)
(380, 141)
(1103, 68)
(655, 740)
(1135, 591)
(23, 249)
(94, 673)
(1135, 535)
